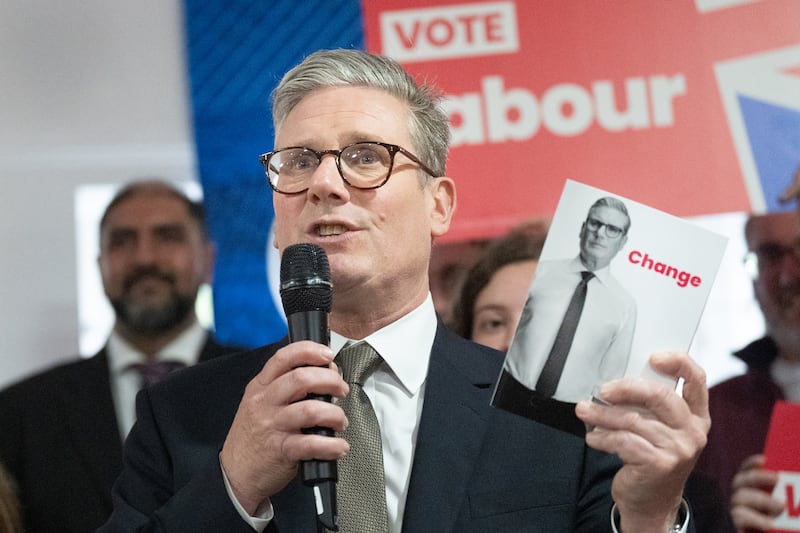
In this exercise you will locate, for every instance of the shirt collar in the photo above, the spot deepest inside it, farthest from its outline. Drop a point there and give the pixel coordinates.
(602, 274)
(185, 348)
(405, 344)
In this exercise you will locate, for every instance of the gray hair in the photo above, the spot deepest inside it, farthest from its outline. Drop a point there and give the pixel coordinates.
(614, 203)
(428, 123)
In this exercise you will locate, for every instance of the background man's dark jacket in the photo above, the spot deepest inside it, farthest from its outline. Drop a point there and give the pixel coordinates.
(60, 440)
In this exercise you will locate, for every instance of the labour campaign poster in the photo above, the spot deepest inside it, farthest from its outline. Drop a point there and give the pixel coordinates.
(689, 106)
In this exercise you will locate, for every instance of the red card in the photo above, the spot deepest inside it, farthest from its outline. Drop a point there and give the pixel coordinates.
(782, 453)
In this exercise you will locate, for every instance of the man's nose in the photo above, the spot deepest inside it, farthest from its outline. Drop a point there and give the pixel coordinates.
(145, 252)
(326, 182)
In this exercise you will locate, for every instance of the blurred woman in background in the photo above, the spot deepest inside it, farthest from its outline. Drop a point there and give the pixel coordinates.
(494, 290)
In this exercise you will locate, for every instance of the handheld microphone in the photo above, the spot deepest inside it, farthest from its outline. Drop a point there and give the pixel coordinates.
(306, 293)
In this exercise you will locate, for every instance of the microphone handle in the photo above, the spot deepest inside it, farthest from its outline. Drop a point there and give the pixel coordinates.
(311, 326)
(320, 475)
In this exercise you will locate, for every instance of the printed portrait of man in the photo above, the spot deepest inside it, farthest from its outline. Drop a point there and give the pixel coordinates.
(577, 325)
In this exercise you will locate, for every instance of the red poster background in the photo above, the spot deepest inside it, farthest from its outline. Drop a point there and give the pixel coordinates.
(687, 168)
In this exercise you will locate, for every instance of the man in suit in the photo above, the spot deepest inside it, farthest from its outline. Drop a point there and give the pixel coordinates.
(359, 170)
(62, 430)
(549, 367)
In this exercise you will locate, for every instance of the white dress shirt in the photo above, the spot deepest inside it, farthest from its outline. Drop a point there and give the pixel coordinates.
(602, 343)
(396, 390)
(126, 381)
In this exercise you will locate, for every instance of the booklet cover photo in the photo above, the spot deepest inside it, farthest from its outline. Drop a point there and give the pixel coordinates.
(616, 281)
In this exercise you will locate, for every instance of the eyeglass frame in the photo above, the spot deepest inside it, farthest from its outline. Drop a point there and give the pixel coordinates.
(605, 227)
(393, 149)
(756, 260)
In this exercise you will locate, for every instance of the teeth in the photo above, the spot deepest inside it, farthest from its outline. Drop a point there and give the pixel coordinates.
(327, 230)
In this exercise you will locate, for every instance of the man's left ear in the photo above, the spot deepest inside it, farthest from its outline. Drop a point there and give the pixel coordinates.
(443, 195)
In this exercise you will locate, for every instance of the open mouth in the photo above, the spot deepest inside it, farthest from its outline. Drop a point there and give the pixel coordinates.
(329, 230)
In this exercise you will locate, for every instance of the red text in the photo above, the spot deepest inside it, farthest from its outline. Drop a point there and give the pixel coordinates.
(792, 505)
(682, 277)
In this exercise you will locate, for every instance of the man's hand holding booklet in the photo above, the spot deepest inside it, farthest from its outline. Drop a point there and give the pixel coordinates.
(617, 281)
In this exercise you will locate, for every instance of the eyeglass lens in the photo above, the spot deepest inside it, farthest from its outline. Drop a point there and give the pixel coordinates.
(611, 231)
(361, 165)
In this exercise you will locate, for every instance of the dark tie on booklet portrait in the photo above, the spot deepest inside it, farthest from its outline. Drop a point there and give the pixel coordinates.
(554, 366)
(635, 284)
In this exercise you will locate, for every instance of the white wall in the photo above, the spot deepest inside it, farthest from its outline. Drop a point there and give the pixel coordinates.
(96, 92)
(90, 92)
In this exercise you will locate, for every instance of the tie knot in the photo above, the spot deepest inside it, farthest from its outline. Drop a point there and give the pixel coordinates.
(357, 362)
(154, 372)
(586, 275)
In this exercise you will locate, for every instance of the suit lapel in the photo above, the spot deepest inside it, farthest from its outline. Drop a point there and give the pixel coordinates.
(92, 423)
(454, 417)
(212, 349)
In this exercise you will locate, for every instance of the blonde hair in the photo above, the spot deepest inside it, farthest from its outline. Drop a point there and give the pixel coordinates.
(10, 517)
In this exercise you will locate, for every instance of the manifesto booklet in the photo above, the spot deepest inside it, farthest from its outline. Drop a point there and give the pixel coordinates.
(782, 454)
(616, 281)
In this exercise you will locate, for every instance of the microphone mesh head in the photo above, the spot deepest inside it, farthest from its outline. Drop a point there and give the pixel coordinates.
(305, 279)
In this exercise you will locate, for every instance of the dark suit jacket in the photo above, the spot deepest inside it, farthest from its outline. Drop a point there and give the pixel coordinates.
(476, 468)
(60, 440)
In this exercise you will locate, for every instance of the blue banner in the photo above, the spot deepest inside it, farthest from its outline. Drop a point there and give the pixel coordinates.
(774, 133)
(237, 51)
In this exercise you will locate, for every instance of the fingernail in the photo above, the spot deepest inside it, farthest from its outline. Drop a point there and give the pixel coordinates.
(582, 407)
(660, 356)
